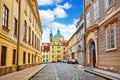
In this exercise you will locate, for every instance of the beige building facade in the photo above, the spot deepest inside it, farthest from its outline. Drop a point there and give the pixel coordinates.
(20, 35)
(102, 34)
(80, 40)
(71, 48)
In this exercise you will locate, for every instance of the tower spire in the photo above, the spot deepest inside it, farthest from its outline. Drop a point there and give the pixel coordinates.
(58, 30)
(51, 36)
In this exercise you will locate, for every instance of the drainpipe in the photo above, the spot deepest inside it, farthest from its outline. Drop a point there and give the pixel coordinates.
(84, 17)
(18, 38)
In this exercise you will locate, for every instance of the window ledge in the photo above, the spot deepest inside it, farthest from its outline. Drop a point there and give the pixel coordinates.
(5, 28)
(112, 49)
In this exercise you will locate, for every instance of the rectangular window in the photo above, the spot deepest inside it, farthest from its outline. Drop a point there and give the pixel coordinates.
(5, 16)
(58, 56)
(58, 51)
(88, 19)
(46, 56)
(29, 15)
(110, 39)
(25, 8)
(25, 31)
(35, 58)
(58, 46)
(32, 38)
(35, 41)
(32, 58)
(14, 57)
(43, 56)
(29, 34)
(108, 3)
(3, 54)
(15, 26)
(52, 56)
(110, 36)
(28, 57)
(24, 57)
(96, 12)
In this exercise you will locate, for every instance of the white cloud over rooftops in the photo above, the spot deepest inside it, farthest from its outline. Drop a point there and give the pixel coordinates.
(48, 2)
(65, 6)
(49, 17)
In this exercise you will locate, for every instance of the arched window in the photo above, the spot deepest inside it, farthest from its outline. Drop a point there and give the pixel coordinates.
(25, 30)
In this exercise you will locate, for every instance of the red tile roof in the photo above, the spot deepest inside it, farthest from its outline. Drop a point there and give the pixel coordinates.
(45, 47)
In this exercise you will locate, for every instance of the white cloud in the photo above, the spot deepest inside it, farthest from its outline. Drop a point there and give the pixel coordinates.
(60, 13)
(48, 2)
(65, 6)
(46, 16)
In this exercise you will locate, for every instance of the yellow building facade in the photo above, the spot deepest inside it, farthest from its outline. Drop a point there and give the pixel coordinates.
(45, 52)
(57, 45)
(45, 56)
(56, 51)
(20, 35)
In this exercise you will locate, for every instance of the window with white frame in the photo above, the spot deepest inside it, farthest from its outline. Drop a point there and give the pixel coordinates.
(110, 36)
(5, 16)
(96, 10)
(15, 27)
(88, 19)
(108, 3)
(25, 31)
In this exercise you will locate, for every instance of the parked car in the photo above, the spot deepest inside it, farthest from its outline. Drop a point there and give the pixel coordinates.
(74, 61)
(64, 61)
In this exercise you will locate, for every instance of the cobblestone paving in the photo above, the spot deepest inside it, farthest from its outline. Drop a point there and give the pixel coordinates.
(63, 71)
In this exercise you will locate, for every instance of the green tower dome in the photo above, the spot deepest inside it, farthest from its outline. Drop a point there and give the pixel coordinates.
(58, 35)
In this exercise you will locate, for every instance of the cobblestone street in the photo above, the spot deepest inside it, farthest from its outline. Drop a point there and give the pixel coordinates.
(63, 71)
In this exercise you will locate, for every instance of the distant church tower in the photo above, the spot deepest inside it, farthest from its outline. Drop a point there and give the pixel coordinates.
(51, 37)
(59, 36)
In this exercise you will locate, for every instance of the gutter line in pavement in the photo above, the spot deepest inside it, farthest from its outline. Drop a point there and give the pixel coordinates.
(56, 73)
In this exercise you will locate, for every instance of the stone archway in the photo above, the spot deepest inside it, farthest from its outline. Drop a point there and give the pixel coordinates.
(92, 38)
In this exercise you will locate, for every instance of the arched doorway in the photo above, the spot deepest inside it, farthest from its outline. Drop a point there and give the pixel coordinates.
(92, 54)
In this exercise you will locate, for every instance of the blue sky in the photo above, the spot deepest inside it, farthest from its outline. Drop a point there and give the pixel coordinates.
(62, 14)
